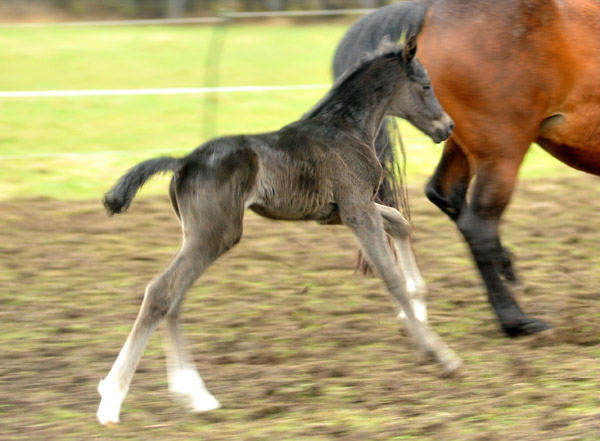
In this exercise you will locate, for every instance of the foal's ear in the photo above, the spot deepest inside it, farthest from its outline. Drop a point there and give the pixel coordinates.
(410, 49)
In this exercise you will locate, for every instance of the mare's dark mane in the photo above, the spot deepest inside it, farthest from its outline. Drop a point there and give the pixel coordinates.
(364, 37)
(403, 19)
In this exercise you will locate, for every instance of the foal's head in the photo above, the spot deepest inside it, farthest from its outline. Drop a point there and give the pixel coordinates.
(414, 99)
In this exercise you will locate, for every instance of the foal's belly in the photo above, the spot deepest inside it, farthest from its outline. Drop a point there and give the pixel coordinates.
(293, 193)
(323, 214)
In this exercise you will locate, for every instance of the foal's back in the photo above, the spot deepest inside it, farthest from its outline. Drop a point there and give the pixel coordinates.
(300, 172)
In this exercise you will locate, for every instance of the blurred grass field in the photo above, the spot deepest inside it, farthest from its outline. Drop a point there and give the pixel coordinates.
(76, 147)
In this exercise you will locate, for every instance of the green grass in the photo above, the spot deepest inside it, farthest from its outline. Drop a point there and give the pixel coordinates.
(34, 130)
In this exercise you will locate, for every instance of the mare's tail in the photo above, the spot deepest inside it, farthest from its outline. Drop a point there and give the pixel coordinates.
(120, 196)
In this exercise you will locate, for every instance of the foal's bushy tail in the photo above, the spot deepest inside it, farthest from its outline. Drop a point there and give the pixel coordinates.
(120, 196)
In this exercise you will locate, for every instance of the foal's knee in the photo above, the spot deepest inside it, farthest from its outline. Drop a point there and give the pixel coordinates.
(402, 225)
(396, 224)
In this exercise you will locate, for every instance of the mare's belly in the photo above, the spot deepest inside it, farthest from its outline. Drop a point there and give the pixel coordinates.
(574, 138)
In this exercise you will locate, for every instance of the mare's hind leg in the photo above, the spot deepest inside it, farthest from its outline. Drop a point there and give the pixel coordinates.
(399, 229)
(367, 225)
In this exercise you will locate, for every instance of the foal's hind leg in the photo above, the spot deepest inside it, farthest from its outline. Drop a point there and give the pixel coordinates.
(161, 294)
(212, 231)
(367, 226)
(185, 384)
(398, 227)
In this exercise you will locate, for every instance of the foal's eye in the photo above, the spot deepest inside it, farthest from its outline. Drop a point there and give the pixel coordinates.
(426, 86)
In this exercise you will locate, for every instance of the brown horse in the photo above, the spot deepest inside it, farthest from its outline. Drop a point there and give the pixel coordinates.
(509, 73)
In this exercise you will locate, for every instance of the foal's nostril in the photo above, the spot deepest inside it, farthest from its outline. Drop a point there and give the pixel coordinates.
(451, 126)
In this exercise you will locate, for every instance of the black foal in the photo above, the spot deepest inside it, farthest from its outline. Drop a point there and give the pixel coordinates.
(321, 168)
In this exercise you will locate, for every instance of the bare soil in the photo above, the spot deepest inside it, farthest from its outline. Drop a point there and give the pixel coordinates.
(293, 344)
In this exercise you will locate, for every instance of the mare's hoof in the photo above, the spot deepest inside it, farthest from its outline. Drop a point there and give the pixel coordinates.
(525, 326)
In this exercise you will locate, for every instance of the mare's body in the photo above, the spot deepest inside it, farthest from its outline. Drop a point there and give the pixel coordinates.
(509, 73)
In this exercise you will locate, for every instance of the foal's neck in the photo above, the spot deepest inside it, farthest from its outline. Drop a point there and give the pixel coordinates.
(358, 101)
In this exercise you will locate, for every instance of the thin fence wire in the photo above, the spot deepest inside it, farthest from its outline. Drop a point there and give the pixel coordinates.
(213, 59)
(134, 22)
(78, 155)
(221, 18)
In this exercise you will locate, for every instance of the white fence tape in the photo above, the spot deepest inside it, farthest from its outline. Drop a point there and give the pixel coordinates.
(159, 91)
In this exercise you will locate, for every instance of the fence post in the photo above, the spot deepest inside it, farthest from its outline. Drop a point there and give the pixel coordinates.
(212, 75)
(274, 5)
(175, 8)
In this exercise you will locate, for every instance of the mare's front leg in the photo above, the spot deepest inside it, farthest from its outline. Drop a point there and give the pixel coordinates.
(399, 229)
(367, 225)
(447, 189)
(478, 222)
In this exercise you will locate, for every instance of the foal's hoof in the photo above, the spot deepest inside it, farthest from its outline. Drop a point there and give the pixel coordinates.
(525, 326)
(196, 402)
(110, 404)
(188, 389)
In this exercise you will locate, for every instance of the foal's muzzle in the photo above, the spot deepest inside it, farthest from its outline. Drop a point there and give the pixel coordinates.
(442, 128)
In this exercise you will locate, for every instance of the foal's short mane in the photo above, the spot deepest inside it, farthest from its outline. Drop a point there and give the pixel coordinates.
(387, 48)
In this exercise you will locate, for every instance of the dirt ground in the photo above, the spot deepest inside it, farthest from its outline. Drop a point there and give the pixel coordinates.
(293, 344)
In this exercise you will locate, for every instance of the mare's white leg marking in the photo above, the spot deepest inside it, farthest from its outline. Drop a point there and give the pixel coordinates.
(186, 386)
(110, 404)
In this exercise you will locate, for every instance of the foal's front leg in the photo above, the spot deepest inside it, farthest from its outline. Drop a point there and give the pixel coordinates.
(367, 226)
(399, 229)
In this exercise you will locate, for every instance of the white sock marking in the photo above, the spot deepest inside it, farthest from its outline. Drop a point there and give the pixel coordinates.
(110, 404)
(187, 384)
